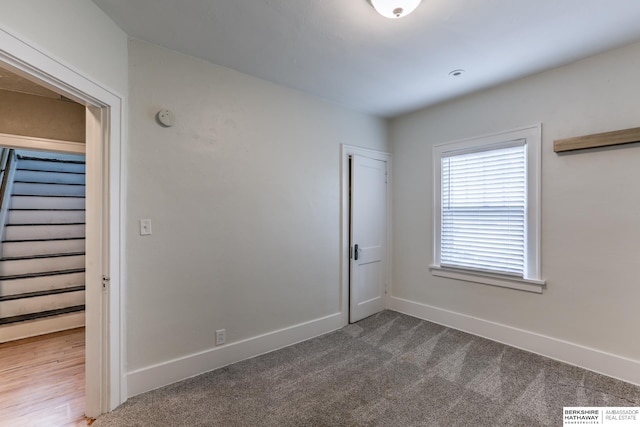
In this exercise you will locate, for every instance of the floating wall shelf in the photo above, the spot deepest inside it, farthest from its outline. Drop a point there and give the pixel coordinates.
(605, 139)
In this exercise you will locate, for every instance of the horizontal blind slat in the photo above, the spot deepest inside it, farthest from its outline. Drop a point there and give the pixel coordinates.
(484, 210)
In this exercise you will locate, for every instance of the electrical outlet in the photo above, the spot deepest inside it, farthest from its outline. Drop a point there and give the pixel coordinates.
(220, 337)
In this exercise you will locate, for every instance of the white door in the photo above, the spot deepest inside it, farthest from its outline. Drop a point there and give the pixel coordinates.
(368, 237)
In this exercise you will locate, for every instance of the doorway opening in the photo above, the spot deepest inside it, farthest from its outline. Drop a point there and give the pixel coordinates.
(42, 269)
(105, 380)
(42, 255)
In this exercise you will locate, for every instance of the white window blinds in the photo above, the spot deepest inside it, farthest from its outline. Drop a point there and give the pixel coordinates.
(483, 204)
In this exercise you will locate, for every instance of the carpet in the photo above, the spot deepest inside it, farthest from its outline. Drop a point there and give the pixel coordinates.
(387, 370)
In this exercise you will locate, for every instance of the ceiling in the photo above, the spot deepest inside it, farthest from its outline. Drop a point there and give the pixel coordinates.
(344, 52)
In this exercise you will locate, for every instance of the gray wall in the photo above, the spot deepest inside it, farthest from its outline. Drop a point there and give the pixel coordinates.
(74, 32)
(244, 195)
(590, 204)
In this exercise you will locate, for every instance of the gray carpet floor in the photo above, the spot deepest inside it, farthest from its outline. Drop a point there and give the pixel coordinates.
(386, 370)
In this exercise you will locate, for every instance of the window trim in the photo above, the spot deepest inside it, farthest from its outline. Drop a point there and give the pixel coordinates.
(531, 280)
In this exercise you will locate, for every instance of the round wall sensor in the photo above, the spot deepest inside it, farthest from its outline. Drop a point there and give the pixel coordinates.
(166, 118)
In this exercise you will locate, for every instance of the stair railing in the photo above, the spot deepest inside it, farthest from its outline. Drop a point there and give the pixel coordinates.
(7, 170)
(4, 155)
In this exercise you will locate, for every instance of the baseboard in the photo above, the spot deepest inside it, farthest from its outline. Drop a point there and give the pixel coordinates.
(574, 354)
(47, 325)
(156, 376)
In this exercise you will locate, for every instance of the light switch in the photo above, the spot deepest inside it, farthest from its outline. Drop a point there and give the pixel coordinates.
(145, 227)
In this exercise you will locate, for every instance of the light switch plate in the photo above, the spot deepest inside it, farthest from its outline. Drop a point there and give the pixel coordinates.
(145, 227)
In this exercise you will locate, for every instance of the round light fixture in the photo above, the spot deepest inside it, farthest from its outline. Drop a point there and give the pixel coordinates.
(394, 9)
(456, 73)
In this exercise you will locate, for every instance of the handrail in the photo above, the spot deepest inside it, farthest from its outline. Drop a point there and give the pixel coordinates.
(4, 152)
(7, 169)
(3, 156)
(6, 162)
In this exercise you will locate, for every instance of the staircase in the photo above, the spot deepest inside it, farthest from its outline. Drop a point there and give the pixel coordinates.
(42, 253)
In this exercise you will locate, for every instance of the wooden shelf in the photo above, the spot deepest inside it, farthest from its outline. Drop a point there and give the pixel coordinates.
(605, 139)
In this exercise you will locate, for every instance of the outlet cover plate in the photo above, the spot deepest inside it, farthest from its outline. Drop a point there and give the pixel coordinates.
(220, 337)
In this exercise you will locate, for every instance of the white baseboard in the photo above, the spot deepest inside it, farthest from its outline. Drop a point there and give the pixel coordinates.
(156, 376)
(47, 325)
(598, 361)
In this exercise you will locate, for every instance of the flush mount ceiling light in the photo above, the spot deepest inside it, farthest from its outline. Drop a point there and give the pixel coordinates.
(395, 8)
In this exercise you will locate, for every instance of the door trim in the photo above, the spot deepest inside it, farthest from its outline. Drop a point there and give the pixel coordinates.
(106, 387)
(345, 152)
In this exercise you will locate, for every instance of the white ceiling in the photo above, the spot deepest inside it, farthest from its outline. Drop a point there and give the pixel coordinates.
(343, 51)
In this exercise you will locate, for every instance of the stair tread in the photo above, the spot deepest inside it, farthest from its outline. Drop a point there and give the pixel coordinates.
(42, 293)
(41, 314)
(47, 195)
(48, 171)
(45, 209)
(47, 183)
(56, 255)
(42, 274)
(41, 224)
(53, 239)
(45, 159)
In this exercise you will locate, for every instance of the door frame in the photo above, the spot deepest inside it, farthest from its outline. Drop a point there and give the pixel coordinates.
(106, 385)
(346, 151)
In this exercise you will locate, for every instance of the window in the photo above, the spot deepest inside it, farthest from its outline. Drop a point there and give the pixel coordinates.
(486, 209)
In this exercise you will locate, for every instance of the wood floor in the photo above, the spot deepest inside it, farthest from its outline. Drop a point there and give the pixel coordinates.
(42, 381)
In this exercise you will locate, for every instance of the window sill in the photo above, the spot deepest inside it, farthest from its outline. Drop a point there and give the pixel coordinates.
(527, 285)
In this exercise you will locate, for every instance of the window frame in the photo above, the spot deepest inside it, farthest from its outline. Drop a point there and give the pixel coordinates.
(531, 280)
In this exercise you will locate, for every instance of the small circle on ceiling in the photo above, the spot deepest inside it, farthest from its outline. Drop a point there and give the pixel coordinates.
(456, 73)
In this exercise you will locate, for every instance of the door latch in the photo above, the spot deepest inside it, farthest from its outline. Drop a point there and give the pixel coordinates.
(355, 252)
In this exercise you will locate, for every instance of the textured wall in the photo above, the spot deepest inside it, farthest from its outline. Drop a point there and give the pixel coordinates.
(244, 195)
(42, 117)
(74, 32)
(590, 203)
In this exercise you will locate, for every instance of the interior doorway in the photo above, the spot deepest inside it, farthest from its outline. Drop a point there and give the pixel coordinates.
(16, 143)
(366, 232)
(105, 384)
(42, 269)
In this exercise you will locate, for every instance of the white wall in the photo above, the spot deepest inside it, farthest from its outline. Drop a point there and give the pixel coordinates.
(590, 205)
(244, 195)
(74, 32)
